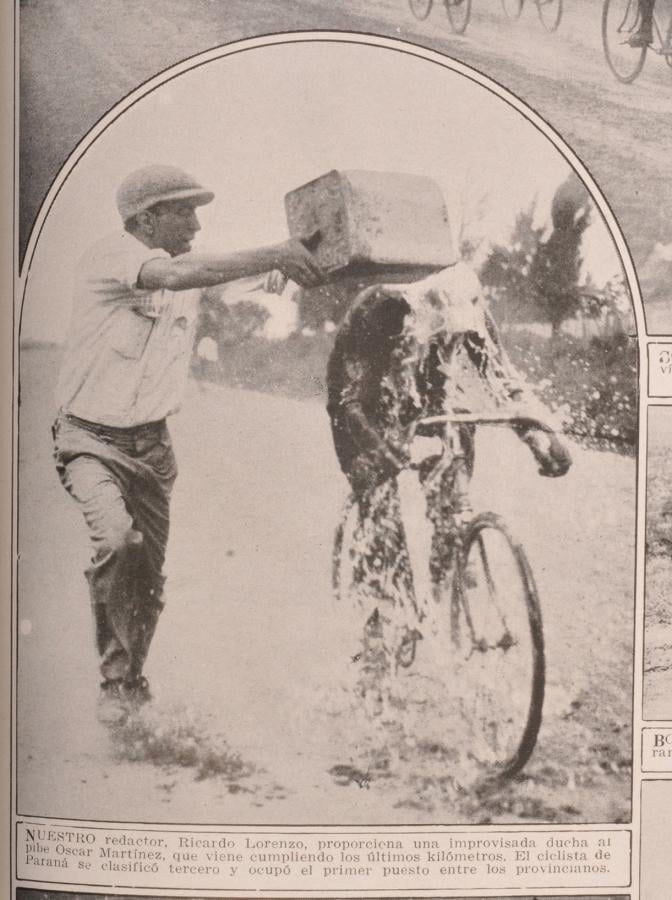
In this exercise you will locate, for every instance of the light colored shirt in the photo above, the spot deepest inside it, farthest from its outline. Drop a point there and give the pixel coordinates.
(128, 353)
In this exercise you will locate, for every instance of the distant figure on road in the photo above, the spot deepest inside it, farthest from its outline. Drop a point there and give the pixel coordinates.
(135, 308)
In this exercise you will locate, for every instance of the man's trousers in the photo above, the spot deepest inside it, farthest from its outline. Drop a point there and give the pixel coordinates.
(121, 479)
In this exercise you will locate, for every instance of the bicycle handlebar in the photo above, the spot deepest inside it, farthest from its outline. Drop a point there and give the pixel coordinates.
(526, 421)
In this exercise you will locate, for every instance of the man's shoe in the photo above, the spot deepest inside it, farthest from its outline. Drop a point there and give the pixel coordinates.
(120, 697)
(137, 691)
(112, 706)
(640, 39)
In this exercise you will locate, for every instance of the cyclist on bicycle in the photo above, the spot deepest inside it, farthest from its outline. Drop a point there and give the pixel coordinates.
(405, 352)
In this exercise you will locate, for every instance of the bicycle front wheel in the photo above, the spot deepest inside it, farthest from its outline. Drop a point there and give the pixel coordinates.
(512, 8)
(550, 13)
(620, 20)
(420, 8)
(459, 13)
(497, 628)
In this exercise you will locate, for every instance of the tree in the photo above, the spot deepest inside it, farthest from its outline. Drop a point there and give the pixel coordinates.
(536, 280)
(556, 268)
(506, 271)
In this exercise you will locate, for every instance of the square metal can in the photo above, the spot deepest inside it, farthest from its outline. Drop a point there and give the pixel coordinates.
(373, 222)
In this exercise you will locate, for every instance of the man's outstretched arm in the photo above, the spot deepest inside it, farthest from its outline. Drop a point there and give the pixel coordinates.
(194, 270)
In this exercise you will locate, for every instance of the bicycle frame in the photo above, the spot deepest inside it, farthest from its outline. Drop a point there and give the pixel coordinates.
(466, 598)
(452, 462)
(664, 47)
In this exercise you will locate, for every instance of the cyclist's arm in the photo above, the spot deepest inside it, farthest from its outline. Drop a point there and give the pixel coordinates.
(512, 380)
(548, 450)
(365, 435)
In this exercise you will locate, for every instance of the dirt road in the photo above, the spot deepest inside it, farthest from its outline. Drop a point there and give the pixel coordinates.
(255, 718)
(79, 57)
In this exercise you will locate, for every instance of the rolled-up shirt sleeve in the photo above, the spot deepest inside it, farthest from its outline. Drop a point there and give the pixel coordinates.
(116, 277)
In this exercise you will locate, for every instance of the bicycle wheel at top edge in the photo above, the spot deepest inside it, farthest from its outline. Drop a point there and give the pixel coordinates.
(550, 13)
(512, 8)
(500, 640)
(459, 14)
(420, 8)
(620, 20)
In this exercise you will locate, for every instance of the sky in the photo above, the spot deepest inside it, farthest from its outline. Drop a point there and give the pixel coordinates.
(257, 124)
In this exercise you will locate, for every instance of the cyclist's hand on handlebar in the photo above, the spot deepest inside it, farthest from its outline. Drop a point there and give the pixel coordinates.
(387, 464)
(295, 261)
(390, 459)
(553, 457)
(560, 459)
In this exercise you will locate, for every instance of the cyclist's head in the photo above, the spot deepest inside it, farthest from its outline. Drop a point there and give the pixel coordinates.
(450, 302)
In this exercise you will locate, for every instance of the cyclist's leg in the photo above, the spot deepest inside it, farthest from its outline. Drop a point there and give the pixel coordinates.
(644, 34)
(384, 589)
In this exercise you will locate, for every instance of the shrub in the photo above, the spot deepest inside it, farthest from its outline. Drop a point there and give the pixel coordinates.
(295, 367)
(593, 388)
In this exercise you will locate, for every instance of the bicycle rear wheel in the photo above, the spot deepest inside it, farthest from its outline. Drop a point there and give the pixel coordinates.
(550, 13)
(459, 13)
(512, 8)
(497, 628)
(620, 20)
(420, 8)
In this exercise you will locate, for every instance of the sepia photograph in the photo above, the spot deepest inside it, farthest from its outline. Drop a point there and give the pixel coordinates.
(369, 309)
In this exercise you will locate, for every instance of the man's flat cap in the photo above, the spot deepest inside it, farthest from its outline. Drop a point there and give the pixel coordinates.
(154, 184)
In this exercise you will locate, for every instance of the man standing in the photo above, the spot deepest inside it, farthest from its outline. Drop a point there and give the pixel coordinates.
(126, 363)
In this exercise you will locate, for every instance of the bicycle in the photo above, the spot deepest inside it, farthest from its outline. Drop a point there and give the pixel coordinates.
(620, 20)
(458, 12)
(484, 600)
(550, 11)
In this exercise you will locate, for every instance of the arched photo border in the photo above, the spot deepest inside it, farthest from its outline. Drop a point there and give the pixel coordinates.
(294, 38)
